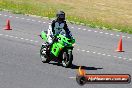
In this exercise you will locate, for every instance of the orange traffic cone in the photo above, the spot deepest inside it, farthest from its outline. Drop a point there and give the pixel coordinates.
(7, 27)
(82, 72)
(119, 48)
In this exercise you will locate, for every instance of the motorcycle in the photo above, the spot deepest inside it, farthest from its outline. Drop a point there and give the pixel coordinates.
(60, 51)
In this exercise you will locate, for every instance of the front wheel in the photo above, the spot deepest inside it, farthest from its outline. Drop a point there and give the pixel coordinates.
(67, 59)
(43, 55)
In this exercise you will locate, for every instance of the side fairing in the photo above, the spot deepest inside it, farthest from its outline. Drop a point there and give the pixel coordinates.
(56, 48)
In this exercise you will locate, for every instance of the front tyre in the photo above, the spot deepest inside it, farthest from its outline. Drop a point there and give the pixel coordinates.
(67, 59)
(43, 55)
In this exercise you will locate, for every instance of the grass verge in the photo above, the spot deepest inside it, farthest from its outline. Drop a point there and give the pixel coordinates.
(111, 15)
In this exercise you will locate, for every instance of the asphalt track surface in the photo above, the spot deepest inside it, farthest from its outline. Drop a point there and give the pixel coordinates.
(21, 66)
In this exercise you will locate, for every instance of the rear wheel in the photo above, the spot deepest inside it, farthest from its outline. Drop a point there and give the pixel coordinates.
(43, 54)
(67, 59)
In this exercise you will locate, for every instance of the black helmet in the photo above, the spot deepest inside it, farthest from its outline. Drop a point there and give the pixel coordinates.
(60, 15)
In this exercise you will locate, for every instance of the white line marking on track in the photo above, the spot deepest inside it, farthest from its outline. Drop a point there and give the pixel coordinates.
(26, 39)
(119, 57)
(10, 16)
(128, 37)
(87, 51)
(22, 18)
(28, 19)
(79, 28)
(44, 22)
(78, 49)
(89, 30)
(108, 55)
(1, 34)
(117, 35)
(11, 36)
(84, 29)
(111, 34)
(106, 33)
(0, 14)
(98, 53)
(7, 35)
(95, 31)
(5, 15)
(83, 50)
(130, 59)
(17, 17)
(94, 52)
(101, 32)
(72, 77)
(72, 27)
(123, 36)
(33, 20)
(103, 54)
(19, 38)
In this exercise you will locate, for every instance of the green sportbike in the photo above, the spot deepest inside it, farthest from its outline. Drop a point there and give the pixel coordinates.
(60, 51)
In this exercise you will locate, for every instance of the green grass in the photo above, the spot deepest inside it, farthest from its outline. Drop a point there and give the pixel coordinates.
(113, 14)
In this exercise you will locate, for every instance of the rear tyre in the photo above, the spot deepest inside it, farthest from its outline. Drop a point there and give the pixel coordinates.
(67, 59)
(43, 54)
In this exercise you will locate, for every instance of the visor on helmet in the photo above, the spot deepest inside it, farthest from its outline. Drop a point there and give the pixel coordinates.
(62, 16)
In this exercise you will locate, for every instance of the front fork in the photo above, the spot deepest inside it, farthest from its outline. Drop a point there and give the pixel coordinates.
(45, 45)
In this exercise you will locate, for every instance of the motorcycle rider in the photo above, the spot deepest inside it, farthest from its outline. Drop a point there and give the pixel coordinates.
(58, 25)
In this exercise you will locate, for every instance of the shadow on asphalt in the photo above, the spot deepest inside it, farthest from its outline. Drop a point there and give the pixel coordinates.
(55, 63)
(85, 67)
(76, 67)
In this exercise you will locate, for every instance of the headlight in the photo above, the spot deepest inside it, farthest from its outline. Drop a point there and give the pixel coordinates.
(73, 44)
(65, 44)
